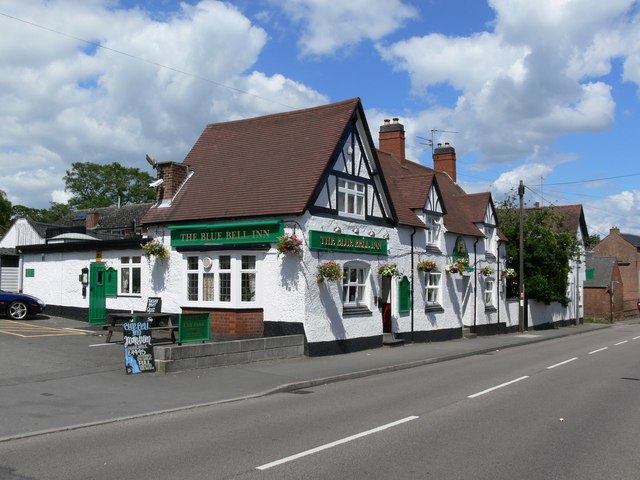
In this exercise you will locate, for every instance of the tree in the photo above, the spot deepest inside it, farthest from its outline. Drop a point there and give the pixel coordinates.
(593, 240)
(55, 212)
(5, 212)
(94, 186)
(548, 248)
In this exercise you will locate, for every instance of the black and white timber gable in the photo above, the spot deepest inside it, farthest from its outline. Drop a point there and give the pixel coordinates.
(352, 187)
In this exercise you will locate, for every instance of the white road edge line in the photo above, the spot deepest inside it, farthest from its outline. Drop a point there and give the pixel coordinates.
(635, 338)
(103, 344)
(336, 443)
(562, 363)
(598, 350)
(497, 387)
(620, 343)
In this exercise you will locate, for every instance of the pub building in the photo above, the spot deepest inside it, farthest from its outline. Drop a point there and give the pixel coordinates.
(296, 223)
(314, 178)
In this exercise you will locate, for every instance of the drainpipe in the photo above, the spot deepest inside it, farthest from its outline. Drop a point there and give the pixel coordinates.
(475, 288)
(412, 235)
(498, 281)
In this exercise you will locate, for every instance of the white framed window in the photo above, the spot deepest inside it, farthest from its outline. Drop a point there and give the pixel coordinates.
(433, 228)
(433, 283)
(489, 288)
(351, 197)
(228, 279)
(354, 285)
(489, 240)
(130, 273)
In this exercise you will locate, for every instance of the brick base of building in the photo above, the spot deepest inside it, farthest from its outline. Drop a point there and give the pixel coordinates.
(228, 324)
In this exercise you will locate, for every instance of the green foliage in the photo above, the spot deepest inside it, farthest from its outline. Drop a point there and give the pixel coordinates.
(5, 212)
(548, 250)
(593, 240)
(95, 186)
(55, 212)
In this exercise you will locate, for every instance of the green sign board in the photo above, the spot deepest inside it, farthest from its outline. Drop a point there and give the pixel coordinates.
(193, 327)
(226, 234)
(346, 243)
(29, 272)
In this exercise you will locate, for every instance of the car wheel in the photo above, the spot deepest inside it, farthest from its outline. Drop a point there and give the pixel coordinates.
(17, 310)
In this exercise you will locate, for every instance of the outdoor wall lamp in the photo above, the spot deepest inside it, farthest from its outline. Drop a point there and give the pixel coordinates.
(338, 230)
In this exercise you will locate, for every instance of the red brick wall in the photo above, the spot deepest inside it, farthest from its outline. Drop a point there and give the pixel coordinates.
(228, 323)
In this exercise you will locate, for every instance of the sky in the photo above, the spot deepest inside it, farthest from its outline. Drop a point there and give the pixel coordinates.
(547, 92)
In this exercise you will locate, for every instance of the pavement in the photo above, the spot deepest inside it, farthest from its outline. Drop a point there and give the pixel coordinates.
(66, 377)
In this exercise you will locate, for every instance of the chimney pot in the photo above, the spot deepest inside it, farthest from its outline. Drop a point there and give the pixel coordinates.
(387, 121)
(396, 119)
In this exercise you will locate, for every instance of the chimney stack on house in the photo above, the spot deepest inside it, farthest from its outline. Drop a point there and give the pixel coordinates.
(444, 160)
(173, 175)
(391, 139)
(91, 220)
(614, 231)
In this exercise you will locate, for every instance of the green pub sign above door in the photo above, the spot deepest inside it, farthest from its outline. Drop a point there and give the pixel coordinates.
(226, 234)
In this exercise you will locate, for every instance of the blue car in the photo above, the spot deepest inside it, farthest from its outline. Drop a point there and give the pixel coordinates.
(18, 306)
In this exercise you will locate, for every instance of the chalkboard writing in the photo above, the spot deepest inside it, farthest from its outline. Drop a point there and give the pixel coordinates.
(138, 350)
(154, 305)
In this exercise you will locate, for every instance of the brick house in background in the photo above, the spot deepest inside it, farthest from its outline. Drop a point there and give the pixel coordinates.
(626, 249)
(603, 289)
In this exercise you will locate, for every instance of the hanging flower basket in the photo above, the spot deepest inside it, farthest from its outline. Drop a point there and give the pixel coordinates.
(330, 271)
(461, 266)
(388, 270)
(509, 273)
(426, 265)
(155, 249)
(289, 244)
(486, 271)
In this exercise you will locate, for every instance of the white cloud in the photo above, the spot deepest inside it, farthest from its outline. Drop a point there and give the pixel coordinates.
(65, 101)
(620, 210)
(331, 25)
(529, 80)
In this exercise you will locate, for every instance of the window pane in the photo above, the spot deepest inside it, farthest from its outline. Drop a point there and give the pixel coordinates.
(225, 287)
(207, 287)
(192, 286)
(192, 263)
(350, 206)
(124, 280)
(248, 287)
(124, 260)
(248, 262)
(136, 259)
(360, 205)
(225, 262)
(135, 281)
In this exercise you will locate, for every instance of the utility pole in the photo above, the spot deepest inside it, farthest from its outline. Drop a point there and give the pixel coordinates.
(521, 258)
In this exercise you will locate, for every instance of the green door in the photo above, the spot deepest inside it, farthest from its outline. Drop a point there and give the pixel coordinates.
(97, 294)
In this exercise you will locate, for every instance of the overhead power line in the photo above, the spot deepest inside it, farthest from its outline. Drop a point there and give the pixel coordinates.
(594, 180)
(142, 59)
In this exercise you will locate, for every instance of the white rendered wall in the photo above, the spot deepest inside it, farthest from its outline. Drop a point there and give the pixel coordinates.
(20, 233)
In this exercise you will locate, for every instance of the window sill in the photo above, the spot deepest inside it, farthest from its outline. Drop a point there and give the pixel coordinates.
(433, 309)
(353, 311)
(432, 249)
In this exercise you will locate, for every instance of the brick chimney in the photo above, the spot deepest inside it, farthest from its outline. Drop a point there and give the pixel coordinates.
(173, 175)
(614, 231)
(91, 220)
(444, 160)
(391, 139)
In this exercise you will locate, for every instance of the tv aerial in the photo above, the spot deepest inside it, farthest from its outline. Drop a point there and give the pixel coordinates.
(430, 142)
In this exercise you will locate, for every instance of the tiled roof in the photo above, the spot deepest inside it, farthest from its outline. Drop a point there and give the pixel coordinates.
(108, 217)
(572, 218)
(632, 239)
(413, 180)
(261, 166)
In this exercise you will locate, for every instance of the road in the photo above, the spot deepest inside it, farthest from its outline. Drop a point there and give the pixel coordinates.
(560, 409)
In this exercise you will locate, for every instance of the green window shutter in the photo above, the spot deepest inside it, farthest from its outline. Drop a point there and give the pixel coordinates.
(404, 295)
(111, 282)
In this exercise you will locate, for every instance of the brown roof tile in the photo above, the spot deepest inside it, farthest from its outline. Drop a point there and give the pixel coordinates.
(261, 166)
